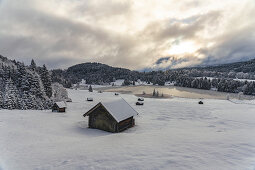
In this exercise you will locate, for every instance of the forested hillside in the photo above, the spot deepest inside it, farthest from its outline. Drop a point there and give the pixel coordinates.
(93, 73)
(24, 87)
(221, 78)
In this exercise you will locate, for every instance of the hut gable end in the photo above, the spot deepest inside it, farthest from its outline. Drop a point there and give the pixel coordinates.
(100, 118)
(99, 108)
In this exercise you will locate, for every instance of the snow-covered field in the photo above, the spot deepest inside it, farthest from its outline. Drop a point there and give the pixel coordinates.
(169, 134)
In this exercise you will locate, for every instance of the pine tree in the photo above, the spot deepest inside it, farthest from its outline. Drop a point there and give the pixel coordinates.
(1, 99)
(33, 65)
(21, 74)
(154, 93)
(20, 102)
(7, 72)
(34, 84)
(25, 85)
(90, 88)
(2, 71)
(10, 99)
(46, 80)
(29, 100)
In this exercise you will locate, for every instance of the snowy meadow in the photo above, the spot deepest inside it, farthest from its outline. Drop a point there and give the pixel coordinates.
(174, 133)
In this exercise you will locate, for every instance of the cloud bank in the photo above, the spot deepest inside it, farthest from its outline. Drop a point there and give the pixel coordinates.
(128, 33)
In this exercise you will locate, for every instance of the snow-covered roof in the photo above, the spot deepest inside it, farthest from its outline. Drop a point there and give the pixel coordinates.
(119, 109)
(61, 104)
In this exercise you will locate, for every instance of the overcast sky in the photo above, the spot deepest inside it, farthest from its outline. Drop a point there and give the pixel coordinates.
(134, 34)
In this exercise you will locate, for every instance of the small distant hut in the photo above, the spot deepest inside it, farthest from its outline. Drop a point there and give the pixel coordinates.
(59, 107)
(140, 99)
(68, 100)
(139, 103)
(114, 116)
(200, 102)
(90, 99)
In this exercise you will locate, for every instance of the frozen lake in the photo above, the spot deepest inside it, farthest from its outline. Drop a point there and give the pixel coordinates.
(169, 91)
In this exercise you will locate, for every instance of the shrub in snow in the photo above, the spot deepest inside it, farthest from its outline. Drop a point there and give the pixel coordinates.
(227, 97)
(157, 94)
(240, 94)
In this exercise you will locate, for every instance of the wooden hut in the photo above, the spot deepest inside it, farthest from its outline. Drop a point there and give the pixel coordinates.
(200, 102)
(89, 99)
(68, 100)
(140, 99)
(139, 103)
(59, 107)
(114, 116)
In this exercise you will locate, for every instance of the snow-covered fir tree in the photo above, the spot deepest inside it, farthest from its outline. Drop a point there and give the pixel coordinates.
(46, 80)
(10, 98)
(33, 65)
(1, 99)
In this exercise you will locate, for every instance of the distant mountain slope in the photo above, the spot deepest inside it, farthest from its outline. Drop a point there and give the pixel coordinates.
(93, 73)
(24, 87)
(245, 66)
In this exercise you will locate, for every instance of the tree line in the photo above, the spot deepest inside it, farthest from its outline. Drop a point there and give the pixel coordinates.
(24, 87)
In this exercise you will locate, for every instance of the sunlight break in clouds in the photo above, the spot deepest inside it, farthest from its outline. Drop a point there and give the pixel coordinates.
(182, 48)
(128, 33)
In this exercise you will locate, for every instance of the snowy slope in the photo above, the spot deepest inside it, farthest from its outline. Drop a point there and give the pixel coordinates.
(169, 134)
